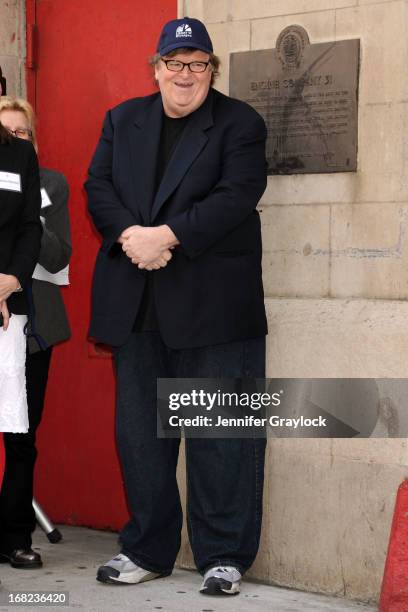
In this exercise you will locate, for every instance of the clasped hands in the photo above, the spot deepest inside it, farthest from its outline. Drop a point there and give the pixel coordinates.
(148, 247)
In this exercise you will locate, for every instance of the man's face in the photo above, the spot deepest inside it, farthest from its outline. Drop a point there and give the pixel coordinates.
(183, 92)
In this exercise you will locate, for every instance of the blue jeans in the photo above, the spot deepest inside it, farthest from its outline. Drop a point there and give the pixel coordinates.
(224, 476)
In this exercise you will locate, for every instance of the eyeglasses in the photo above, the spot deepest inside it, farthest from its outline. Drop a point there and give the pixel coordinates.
(21, 133)
(177, 66)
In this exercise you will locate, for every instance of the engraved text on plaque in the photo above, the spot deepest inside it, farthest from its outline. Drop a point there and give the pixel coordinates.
(307, 95)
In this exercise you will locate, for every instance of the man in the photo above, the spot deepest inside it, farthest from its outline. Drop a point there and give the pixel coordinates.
(173, 187)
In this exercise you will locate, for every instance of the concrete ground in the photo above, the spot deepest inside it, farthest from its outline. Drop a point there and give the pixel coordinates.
(70, 566)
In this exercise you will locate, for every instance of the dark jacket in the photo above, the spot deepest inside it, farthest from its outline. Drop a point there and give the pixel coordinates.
(20, 225)
(50, 316)
(211, 291)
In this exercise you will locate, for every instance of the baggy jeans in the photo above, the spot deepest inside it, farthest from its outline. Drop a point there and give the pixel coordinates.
(224, 476)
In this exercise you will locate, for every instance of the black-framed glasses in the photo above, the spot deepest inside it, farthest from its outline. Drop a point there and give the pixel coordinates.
(21, 133)
(177, 66)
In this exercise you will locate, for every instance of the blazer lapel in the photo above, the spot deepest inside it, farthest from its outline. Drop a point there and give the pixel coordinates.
(191, 143)
(144, 140)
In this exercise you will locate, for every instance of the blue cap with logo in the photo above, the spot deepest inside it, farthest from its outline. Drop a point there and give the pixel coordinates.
(185, 32)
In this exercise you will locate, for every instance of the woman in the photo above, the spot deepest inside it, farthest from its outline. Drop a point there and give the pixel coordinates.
(17, 517)
(20, 241)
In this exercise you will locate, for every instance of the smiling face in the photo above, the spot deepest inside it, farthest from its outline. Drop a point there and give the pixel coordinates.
(183, 92)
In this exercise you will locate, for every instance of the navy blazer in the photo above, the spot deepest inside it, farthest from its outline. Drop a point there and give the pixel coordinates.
(20, 225)
(211, 291)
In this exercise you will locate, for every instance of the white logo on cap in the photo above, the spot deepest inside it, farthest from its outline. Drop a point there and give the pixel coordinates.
(184, 31)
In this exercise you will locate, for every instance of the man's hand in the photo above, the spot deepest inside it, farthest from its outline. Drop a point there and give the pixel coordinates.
(161, 262)
(148, 247)
(8, 284)
(127, 231)
(6, 315)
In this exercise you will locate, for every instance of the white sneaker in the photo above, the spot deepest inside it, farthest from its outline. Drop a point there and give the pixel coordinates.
(122, 569)
(221, 580)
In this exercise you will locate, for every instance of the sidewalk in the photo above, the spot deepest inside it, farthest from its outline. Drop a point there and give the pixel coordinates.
(71, 565)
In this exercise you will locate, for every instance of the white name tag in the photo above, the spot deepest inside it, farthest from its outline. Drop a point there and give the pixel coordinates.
(45, 198)
(9, 181)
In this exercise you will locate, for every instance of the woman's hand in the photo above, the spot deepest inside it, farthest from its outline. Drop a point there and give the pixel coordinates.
(6, 315)
(8, 284)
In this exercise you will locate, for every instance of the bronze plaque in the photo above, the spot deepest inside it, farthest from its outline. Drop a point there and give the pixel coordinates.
(307, 95)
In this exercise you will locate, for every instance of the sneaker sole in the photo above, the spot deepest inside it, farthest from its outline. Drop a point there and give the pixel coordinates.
(104, 575)
(213, 587)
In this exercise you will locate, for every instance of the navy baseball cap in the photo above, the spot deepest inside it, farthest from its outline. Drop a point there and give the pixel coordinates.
(184, 32)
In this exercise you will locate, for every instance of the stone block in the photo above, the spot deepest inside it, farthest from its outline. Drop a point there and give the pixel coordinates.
(230, 10)
(296, 250)
(369, 254)
(335, 338)
(382, 29)
(13, 69)
(11, 19)
(228, 38)
(191, 8)
(310, 189)
(372, 450)
(386, 451)
(320, 27)
(382, 158)
(328, 521)
(369, 229)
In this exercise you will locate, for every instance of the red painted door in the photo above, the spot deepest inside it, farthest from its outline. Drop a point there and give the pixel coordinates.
(89, 56)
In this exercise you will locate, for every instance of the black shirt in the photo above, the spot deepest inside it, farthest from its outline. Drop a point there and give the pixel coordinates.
(171, 131)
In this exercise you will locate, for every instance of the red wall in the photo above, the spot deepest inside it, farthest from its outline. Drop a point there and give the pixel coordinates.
(91, 55)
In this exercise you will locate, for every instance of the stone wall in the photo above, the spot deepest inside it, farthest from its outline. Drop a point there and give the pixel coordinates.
(336, 283)
(12, 45)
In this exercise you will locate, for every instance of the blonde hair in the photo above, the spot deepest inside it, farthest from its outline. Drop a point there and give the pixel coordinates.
(11, 103)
